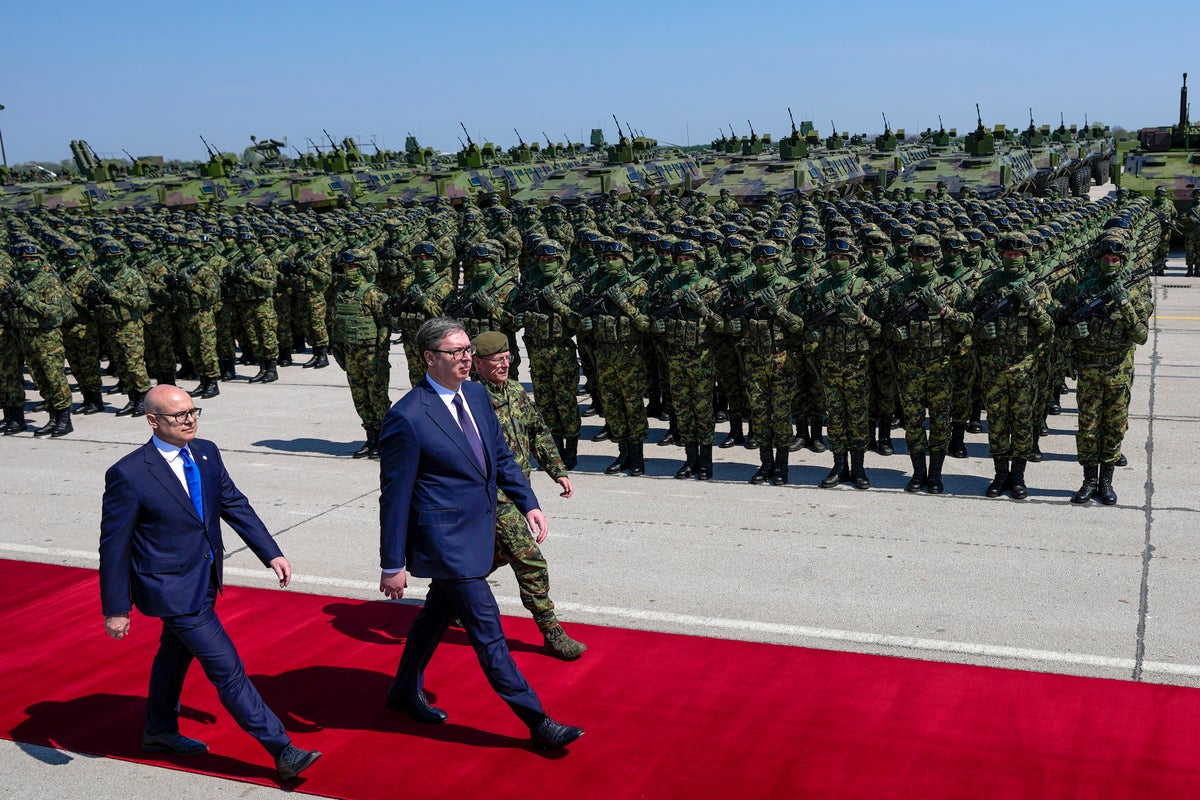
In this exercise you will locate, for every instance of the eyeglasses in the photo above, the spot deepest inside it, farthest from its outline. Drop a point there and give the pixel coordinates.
(498, 359)
(458, 352)
(182, 416)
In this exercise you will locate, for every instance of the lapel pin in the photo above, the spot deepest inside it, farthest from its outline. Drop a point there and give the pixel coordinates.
(204, 458)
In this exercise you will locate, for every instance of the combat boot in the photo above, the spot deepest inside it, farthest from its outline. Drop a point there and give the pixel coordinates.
(766, 466)
(835, 475)
(919, 476)
(130, 408)
(320, 358)
(975, 425)
(1091, 475)
(272, 374)
(735, 436)
(371, 442)
(1055, 406)
(228, 372)
(799, 439)
(265, 368)
(815, 442)
(704, 467)
(885, 438)
(622, 460)
(15, 420)
(1035, 454)
(637, 459)
(602, 434)
(186, 371)
(933, 483)
(570, 452)
(63, 425)
(779, 473)
(1000, 481)
(958, 445)
(1016, 480)
(751, 441)
(560, 645)
(689, 464)
(285, 356)
(672, 435)
(93, 403)
(8, 420)
(212, 390)
(49, 427)
(1122, 461)
(1104, 487)
(858, 471)
(655, 406)
(201, 389)
(373, 452)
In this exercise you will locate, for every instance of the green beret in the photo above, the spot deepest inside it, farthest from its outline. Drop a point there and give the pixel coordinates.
(489, 343)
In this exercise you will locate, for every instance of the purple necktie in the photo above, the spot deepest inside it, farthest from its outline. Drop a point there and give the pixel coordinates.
(468, 428)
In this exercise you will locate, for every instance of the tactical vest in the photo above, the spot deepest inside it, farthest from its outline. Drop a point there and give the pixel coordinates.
(353, 323)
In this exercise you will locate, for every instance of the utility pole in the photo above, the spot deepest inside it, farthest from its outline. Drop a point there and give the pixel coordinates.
(3, 154)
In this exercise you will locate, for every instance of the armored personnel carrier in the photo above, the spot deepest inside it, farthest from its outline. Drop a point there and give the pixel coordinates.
(1165, 156)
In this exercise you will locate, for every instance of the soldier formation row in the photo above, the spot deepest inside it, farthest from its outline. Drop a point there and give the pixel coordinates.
(848, 312)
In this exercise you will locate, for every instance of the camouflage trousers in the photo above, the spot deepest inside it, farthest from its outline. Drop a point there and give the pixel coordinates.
(657, 380)
(158, 330)
(516, 547)
(12, 383)
(554, 370)
(1191, 248)
(808, 400)
(127, 349)
(846, 381)
(964, 371)
(223, 320)
(312, 310)
(587, 365)
(1103, 393)
(284, 303)
(81, 343)
(621, 369)
(770, 384)
(926, 386)
(367, 371)
(262, 328)
(198, 330)
(884, 392)
(692, 376)
(728, 371)
(43, 352)
(1010, 397)
(408, 337)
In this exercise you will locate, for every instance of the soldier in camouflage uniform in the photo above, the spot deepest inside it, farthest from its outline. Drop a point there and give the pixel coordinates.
(1103, 344)
(544, 311)
(39, 304)
(196, 291)
(12, 382)
(685, 321)
(482, 303)
(1166, 215)
(1012, 317)
(612, 309)
(119, 298)
(842, 350)
(359, 341)
(930, 317)
(81, 340)
(526, 435)
(756, 310)
(1191, 234)
(284, 297)
(314, 275)
(727, 364)
(157, 325)
(256, 281)
(877, 271)
(964, 365)
(423, 299)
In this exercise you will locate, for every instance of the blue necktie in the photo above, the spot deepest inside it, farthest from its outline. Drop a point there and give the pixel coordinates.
(468, 428)
(191, 474)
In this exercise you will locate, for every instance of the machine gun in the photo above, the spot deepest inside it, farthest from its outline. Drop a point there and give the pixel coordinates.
(332, 143)
(211, 153)
(795, 133)
(519, 139)
(1087, 308)
(469, 142)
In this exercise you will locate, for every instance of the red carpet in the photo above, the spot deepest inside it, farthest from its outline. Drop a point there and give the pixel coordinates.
(667, 716)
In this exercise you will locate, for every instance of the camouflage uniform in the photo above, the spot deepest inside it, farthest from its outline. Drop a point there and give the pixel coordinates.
(359, 341)
(314, 276)
(157, 323)
(120, 299)
(1103, 347)
(256, 283)
(81, 340)
(423, 299)
(40, 303)
(1191, 235)
(196, 289)
(12, 383)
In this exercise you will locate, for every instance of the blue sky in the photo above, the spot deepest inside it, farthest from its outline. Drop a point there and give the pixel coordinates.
(150, 76)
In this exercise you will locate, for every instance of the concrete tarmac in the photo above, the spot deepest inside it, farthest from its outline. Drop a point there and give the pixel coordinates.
(1038, 584)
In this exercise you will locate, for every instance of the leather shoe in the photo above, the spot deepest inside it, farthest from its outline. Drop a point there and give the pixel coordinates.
(418, 708)
(175, 743)
(291, 761)
(551, 735)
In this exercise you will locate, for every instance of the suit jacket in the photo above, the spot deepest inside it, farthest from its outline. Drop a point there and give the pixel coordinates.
(155, 552)
(437, 508)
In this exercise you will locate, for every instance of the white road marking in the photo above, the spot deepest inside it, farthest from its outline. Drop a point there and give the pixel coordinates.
(774, 629)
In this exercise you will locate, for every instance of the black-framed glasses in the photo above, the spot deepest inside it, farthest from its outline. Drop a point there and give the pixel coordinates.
(182, 416)
(458, 352)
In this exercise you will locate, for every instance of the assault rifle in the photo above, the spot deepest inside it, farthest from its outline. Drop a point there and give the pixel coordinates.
(466, 301)
(8, 297)
(818, 317)
(1094, 307)
(989, 308)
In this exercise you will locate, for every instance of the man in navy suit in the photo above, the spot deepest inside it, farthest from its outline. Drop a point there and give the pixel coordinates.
(161, 550)
(442, 457)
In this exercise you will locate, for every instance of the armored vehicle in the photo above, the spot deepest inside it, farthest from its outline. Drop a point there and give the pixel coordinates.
(1165, 156)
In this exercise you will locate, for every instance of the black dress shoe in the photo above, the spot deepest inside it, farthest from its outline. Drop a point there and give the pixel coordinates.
(291, 761)
(418, 708)
(174, 743)
(551, 735)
